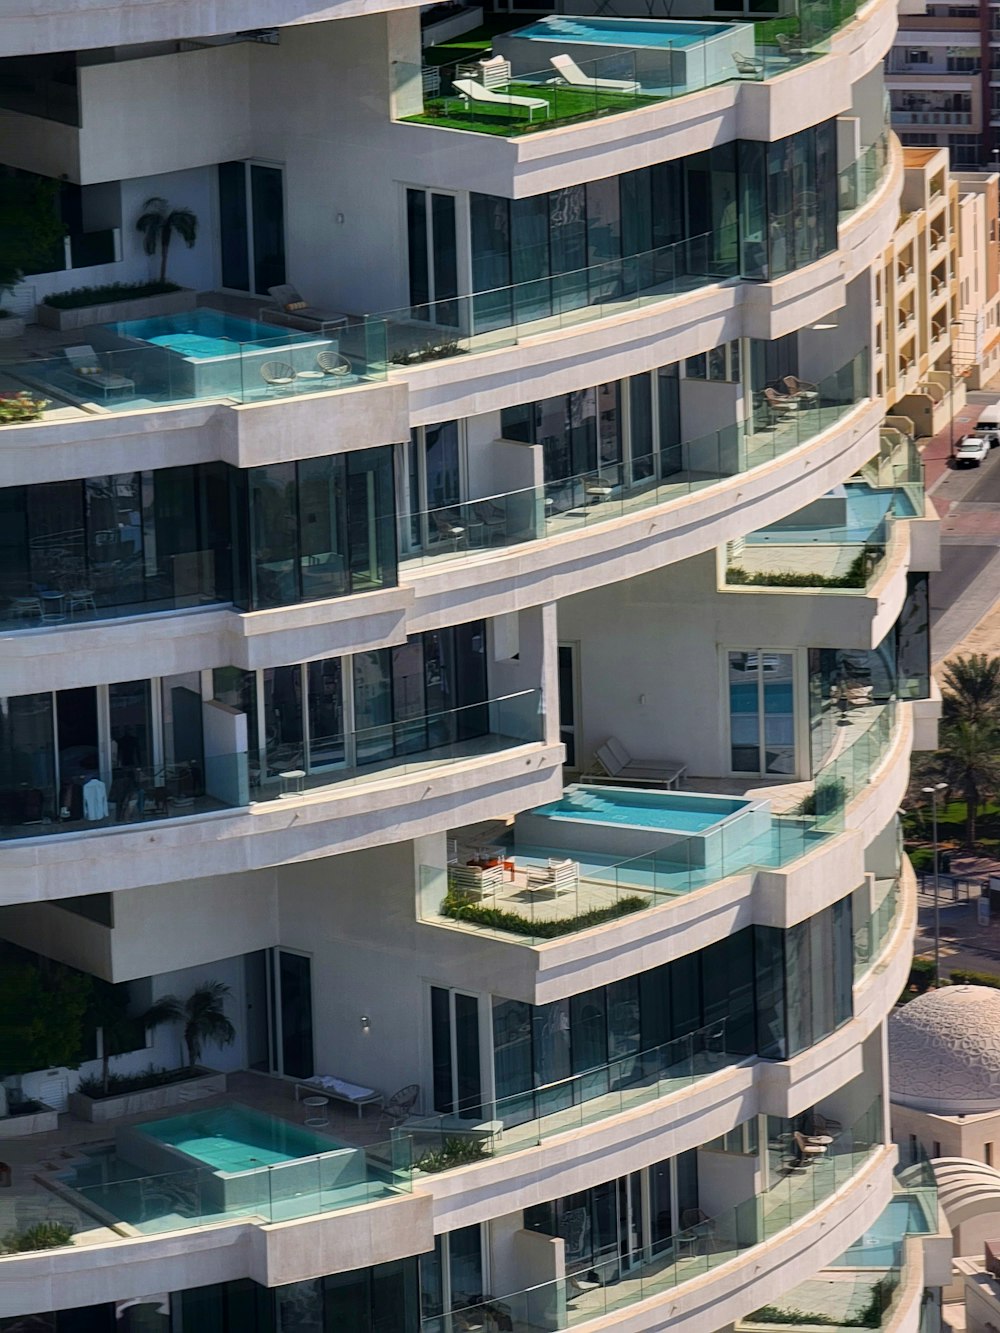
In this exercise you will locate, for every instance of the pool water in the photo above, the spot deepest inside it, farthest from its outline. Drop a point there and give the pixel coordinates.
(866, 508)
(621, 32)
(235, 1138)
(675, 812)
(202, 334)
(879, 1246)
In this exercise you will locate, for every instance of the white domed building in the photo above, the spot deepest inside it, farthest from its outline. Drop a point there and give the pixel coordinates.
(944, 1079)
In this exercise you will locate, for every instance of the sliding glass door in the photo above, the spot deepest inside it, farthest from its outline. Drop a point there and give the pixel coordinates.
(455, 1054)
(251, 226)
(762, 712)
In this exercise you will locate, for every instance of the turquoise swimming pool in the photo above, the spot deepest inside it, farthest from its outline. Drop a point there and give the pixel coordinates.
(880, 1246)
(236, 1138)
(203, 334)
(655, 33)
(672, 812)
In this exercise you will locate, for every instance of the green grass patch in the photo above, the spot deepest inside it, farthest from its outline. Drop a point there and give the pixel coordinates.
(513, 923)
(471, 45)
(565, 106)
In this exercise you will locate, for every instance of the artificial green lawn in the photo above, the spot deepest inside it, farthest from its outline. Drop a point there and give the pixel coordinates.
(566, 104)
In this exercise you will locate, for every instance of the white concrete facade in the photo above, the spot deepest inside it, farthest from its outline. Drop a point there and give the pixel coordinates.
(464, 686)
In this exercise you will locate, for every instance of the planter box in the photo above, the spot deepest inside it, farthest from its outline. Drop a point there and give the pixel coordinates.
(39, 1122)
(206, 1083)
(140, 307)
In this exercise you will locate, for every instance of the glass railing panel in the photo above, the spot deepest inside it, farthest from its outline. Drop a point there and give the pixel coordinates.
(609, 1283)
(143, 376)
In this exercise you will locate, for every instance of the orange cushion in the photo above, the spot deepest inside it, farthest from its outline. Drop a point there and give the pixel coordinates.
(296, 305)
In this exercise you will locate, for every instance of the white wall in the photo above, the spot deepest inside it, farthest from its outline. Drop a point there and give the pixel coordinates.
(194, 189)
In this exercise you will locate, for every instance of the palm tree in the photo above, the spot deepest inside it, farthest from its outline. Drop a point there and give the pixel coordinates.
(159, 222)
(109, 1011)
(971, 689)
(968, 759)
(203, 1015)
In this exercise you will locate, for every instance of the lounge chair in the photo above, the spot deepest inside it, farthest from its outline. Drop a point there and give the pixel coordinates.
(790, 44)
(749, 67)
(294, 311)
(572, 74)
(799, 388)
(340, 1090)
(86, 365)
(470, 91)
(617, 765)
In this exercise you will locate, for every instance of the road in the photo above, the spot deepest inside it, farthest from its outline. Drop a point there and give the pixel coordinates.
(969, 581)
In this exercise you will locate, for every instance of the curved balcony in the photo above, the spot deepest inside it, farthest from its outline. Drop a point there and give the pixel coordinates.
(727, 484)
(177, 1229)
(757, 91)
(622, 917)
(736, 1262)
(231, 827)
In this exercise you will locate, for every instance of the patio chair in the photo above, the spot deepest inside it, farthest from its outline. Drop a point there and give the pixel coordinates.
(558, 876)
(618, 765)
(780, 404)
(332, 363)
(748, 67)
(470, 91)
(822, 1124)
(278, 375)
(400, 1104)
(572, 74)
(447, 530)
(799, 388)
(699, 1226)
(475, 883)
(808, 1151)
(295, 309)
(493, 519)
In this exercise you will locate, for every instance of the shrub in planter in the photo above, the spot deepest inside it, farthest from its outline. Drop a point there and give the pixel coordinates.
(962, 977)
(453, 1152)
(22, 406)
(118, 1085)
(77, 297)
(40, 1236)
(495, 918)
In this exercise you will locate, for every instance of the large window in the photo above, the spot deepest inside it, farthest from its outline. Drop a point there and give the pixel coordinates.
(145, 540)
(614, 432)
(756, 992)
(741, 208)
(320, 527)
(375, 706)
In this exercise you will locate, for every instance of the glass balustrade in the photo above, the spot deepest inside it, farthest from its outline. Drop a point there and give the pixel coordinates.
(609, 1285)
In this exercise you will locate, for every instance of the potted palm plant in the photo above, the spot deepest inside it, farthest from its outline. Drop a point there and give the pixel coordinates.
(204, 1022)
(158, 222)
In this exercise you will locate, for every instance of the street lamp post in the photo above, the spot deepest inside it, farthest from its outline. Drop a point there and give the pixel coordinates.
(935, 794)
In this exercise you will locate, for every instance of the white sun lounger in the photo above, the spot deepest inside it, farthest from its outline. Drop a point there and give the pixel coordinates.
(341, 1091)
(471, 91)
(576, 78)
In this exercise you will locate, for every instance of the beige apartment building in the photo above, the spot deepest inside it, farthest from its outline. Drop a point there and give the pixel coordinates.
(937, 294)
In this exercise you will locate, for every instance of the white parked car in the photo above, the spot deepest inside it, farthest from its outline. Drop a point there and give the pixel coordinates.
(972, 451)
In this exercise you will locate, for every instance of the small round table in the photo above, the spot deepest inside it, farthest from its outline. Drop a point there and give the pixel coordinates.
(316, 1116)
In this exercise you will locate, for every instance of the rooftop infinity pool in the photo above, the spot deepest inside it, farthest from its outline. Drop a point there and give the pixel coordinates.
(620, 32)
(203, 333)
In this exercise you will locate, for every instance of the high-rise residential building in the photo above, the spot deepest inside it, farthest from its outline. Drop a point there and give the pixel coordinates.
(462, 651)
